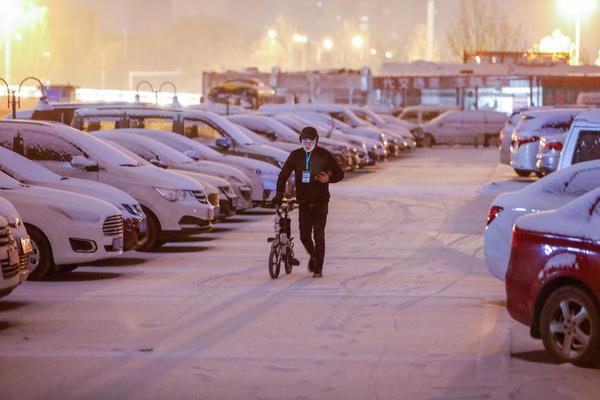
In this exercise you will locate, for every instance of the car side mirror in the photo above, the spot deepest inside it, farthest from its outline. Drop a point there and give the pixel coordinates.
(223, 143)
(193, 154)
(157, 163)
(81, 162)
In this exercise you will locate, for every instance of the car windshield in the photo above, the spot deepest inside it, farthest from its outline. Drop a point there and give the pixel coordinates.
(254, 136)
(97, 148)
(181, 144)
(441, 117)
(230, 129)
(6, 182)
(22, 168)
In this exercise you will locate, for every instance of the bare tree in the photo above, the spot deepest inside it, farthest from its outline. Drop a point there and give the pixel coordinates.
(482, 25)
(417, 48)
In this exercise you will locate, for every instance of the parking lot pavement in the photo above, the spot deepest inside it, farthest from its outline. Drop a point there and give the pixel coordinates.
(406, 309)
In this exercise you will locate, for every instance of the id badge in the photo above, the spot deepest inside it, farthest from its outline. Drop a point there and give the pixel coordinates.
(306, 177)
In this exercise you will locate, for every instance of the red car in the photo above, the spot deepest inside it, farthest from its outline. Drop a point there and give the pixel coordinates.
(553, 279)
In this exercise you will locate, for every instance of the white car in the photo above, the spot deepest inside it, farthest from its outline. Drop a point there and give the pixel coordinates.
(547, 193)
(423, 113)
(9, 260)
(506, 135)
(532, 126)
(20, 235)
(205, 127)
(163, 156)
(463, 127)
(408, 131)
(583, 141)
(30, 173)
(549, 151)
(175, 206)
(263, 175)
(65, 228)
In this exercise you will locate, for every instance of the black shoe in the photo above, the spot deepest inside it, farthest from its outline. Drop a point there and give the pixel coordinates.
(311, 265)
(317, 275)
(295, 261)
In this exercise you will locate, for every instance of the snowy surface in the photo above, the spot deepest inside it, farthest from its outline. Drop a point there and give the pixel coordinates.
(406, 309)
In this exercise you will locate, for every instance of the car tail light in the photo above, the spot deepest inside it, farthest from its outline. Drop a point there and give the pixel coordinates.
(493, 212)
(554, 146)
(525, 140)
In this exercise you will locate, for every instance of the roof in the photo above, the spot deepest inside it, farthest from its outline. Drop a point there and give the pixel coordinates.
(591, 117)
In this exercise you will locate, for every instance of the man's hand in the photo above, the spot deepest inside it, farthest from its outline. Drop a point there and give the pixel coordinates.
(323, 177)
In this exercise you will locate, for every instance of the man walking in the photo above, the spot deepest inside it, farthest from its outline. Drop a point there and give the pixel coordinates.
(314, 168)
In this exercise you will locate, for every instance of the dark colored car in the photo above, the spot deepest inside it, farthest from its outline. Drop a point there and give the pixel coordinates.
(553, 279)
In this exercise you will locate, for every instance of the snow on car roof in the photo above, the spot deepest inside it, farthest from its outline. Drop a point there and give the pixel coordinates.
(579, 218)
(272, 123)
(589, 116)
(317, 107)
(118, 111)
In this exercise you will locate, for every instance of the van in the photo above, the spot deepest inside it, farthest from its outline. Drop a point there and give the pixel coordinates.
(583, 141)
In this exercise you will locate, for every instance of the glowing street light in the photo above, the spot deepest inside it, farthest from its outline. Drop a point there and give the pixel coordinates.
(374, 52)
(299, 38)
(578, 8)
(272, 34)
(358, 41)
(327, 44)
(388, 54)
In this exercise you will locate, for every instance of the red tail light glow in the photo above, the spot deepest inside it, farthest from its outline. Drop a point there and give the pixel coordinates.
(554, 146)
(493, 212)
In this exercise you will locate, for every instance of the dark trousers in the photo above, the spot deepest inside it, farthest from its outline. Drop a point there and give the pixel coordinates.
(312, 221)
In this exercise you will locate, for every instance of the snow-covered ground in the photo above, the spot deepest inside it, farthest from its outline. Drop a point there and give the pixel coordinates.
(406, 309)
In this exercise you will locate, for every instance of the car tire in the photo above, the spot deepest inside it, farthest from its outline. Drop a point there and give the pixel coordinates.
(152, 241)
(41, 263)
(428, 140)
(522, 173)
(569, 317)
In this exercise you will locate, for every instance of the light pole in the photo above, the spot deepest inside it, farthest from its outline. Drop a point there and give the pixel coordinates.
(175, 101)
(137, 91)
(11, 104)
(579, 8)
(42, 104)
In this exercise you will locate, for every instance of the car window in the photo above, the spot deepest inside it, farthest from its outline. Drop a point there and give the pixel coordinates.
(429, 115)
(199, 129)
(137, 149)
(40, 146)
(560, 123)
(154, 123)
(453, 118)
(587, 147)
(341, 117)
(412, 116)
(91, 124)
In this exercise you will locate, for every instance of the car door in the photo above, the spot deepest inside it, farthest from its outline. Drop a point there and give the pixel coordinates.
(473, 127)
(449, 128)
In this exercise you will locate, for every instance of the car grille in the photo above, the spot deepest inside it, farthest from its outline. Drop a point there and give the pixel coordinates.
(24, 262)
(113, 225)
(5, 236)
(8, 271)
(213, 199)
(200, 196)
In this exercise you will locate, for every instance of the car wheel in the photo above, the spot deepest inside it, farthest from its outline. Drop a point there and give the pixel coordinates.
(523, 173)
(66, 268)
(570, 326)
(428, 140)
(152, 240)
(41, 263)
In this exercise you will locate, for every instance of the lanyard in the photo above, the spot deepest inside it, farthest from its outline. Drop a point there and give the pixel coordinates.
(308, 155)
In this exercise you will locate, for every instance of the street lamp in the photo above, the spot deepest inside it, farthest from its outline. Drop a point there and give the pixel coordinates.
(272, 34)
(578, 8)
(358, 41)
(137, 93)
(10, 103)
(42, 104)
(175, 101)
(327, 44)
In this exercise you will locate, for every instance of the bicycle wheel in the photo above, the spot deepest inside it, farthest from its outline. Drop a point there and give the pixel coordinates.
(288, 260)
(274, 262)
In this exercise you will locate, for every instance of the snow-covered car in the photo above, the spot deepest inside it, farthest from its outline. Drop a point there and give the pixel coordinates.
(376, 141)
(463, 127)
(163, 156)
(267, 130)
(205, 127)
(20, 235)
(532, 126)
(263, 175)
(174, 206)
(423, 113)
(392, 141)
(552, 282)
(506, 135)
(410, 132)
(547, 193)
(30, 173)
(548, 155)
(358, 146)
(9, 260)
(583, 141)
(66, 229)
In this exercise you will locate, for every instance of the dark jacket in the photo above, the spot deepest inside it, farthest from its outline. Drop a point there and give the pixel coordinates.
(314, 192)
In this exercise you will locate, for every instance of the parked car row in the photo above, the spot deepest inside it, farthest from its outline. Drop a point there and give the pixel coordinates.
(543, 241)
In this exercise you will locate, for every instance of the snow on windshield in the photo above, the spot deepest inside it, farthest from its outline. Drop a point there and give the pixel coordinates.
(21, 168)
(99, 149)
(229, 127)
(6, 182)
(181, 144)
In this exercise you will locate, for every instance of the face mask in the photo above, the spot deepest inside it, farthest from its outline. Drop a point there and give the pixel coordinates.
(308, 145)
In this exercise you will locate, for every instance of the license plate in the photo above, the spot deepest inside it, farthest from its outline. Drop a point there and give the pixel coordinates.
(117, 243)
(26, 245)
(13, 255)
(211, 213)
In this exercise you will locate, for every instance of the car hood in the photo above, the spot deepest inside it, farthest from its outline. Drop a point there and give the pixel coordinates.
(98, 190)
(7, 209)
(210, 179)
(154, 176)
(254, 164)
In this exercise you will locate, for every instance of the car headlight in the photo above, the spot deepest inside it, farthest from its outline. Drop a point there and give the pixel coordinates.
(227, 191)
(173, 194)
(77, 214)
